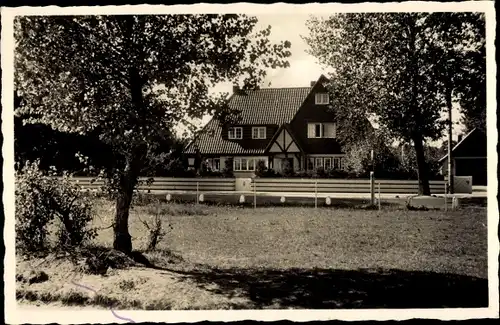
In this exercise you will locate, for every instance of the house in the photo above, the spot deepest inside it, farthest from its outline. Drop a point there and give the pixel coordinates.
(280, 126)
(469, 157)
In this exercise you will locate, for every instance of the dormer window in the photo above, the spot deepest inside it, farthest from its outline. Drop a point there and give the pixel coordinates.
(258, 132)
(235, 133)
(322, 99)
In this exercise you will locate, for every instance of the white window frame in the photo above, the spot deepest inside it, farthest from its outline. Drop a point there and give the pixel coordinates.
(237, 161)
(321, 130)
(322, 99)
(249, 164)
(261, 132)
(337, 161)
(316, 159)
(216, 164)
(244, 164)
(232, 132)
(324, 162)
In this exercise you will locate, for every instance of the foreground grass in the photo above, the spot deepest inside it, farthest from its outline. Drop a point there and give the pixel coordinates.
(288, 257)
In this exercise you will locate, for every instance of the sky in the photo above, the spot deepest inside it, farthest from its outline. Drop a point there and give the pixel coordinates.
(304, 68)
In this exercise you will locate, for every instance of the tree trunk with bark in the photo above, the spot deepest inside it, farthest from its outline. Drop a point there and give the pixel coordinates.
(422, 170)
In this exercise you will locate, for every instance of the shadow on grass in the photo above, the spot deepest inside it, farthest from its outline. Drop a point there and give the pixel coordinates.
(330, 289)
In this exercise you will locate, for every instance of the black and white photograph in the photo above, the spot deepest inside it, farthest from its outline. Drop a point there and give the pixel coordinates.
(250, 161)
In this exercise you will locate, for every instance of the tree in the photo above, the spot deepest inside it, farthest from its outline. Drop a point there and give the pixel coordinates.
(131, 79)
(384, 64)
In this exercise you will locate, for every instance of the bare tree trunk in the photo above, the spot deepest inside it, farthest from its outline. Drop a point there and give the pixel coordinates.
(422, 168)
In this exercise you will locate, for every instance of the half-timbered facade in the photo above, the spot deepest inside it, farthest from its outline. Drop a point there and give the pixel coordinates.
(293, 126)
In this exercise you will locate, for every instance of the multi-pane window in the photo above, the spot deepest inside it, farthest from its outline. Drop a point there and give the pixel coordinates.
(318, 130)
(213, 163)
(328, 163)
(322, 99)
(235, 133)
(337, 163)
(322, 130)
(324, 162)
(310, 164)
(237, 164)
(245, 164)
(259, 132)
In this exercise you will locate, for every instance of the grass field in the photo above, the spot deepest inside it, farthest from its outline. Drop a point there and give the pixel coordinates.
(225, 257)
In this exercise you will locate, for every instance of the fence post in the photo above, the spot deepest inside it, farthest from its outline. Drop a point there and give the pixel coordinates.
(316, 194)
(445, 199)
(197, 192)
(372, 189)
(254, 193)
(379, 196)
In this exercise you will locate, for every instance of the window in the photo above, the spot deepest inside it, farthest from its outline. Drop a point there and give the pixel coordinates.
(336, 163)
(310, 164)
(319, 162)
(259, 132)
(318, 130)
(191, 162)
(322, 130)
(328, 163)
(251, 164)
(213, 164)
(322, 99)
(325, 162)
(245, 164)
(237, 164)
(235, 133)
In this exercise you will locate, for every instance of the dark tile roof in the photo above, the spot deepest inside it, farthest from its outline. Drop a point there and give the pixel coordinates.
(263, 106)
(268, 105)
(210, 141)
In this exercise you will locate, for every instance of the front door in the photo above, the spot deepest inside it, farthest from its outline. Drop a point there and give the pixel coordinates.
(286, 163)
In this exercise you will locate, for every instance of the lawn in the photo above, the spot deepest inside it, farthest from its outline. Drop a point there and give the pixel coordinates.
(226, 257)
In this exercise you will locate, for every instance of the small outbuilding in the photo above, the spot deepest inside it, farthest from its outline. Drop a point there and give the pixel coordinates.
(469, 157)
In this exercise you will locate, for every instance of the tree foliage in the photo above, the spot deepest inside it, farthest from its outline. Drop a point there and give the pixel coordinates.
(41, 200)
(131, 79)
(401, 69)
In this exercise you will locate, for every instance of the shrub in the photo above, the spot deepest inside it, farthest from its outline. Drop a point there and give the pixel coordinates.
(304, 173)
(320, 173)
(337, 173)
(155, 232)
(42, 199)
(288, 169)
(260, 168)
(227, 171)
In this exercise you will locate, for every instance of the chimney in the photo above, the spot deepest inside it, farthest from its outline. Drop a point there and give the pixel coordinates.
(236, 89)
(460, 137)
(312, 83)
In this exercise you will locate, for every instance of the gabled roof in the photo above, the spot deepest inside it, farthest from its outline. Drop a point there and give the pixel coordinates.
(210, 141)
(268, 105)
(265, 106)
(278, 132)
(473, 143)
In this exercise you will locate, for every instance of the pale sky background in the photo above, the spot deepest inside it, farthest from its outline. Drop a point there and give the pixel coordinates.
(303, 67)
